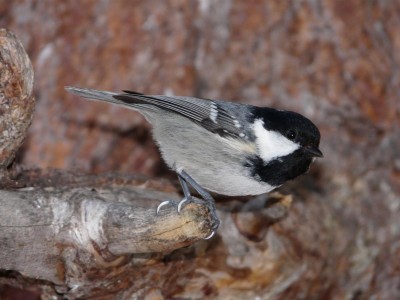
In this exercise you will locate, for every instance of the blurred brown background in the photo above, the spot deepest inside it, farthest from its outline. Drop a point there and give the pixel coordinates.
(335, 61)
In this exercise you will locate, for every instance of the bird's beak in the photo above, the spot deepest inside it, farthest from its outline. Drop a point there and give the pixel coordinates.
(314, 151)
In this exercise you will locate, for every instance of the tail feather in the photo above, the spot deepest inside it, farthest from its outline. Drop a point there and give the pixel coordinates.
(93, 94)
(131, 102)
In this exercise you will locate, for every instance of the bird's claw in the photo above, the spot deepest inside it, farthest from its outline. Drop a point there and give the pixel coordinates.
(187, 200)
(180, 204)
(166, 202)
(210, 236)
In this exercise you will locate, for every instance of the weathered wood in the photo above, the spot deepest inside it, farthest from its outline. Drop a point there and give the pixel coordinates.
(108, 240)
(16, 100)
(42, 229)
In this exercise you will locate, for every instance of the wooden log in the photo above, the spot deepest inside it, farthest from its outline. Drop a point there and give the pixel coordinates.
(100, 240)
(43, 228)
(16, 100)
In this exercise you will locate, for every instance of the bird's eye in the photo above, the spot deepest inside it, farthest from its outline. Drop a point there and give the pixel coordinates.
(291, 134)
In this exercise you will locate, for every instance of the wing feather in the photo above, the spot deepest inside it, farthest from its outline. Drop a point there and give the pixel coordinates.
(198, 110)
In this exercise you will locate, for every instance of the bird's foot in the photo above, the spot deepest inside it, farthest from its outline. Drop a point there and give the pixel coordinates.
(179, 205)
(213, 212)
(186, 200)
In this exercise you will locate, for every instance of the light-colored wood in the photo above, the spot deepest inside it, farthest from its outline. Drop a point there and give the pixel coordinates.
(41, 229)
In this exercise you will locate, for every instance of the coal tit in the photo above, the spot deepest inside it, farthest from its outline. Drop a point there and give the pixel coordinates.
(227, 148)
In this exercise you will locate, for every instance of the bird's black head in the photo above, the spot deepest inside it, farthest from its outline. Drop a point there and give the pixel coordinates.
(294, 127)
(287, 143)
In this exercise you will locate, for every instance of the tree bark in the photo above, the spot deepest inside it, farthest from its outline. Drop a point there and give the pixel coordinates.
(16, 100)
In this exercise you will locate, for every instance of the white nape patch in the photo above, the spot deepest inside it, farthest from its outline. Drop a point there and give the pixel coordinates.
(213, 112)
(272, 144)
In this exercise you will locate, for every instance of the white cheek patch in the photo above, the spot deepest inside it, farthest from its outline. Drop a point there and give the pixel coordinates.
(271, 144)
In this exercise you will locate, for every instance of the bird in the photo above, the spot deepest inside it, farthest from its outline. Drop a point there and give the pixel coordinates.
(222, 147)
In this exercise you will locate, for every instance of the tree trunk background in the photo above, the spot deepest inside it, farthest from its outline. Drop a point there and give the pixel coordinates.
(336, 237)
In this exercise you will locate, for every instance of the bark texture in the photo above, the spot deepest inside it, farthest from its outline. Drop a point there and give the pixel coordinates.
(16, 100)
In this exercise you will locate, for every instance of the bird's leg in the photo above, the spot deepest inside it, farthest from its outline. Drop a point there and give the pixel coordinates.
(209, 200)
(186, 193)
(185, 179)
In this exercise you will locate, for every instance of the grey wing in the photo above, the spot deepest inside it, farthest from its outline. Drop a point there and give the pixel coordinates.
(223, 118)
